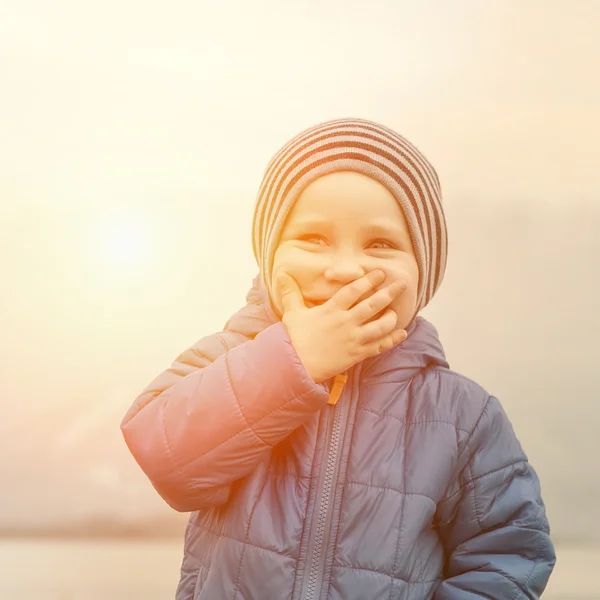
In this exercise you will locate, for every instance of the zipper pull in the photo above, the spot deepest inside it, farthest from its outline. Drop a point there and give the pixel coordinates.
(336, 389)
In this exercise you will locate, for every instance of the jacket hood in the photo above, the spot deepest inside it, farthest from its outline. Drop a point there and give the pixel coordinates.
(422, 348)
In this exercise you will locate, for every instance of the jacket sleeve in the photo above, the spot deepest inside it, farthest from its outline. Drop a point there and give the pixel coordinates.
(494, 526)
(209, 420)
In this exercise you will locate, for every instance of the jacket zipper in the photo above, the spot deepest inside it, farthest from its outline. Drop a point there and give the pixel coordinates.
(336, 388)
(324, 514)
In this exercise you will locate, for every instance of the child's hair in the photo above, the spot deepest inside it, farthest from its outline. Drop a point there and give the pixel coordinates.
(373, 150)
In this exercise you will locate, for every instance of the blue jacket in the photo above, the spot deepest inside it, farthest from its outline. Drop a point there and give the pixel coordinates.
(412, 486)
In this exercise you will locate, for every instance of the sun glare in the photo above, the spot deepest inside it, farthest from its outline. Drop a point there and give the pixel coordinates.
(125, 243)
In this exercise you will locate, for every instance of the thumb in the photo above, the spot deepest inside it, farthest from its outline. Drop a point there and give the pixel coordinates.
(291, 296)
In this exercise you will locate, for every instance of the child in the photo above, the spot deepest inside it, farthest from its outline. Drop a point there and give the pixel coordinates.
(321, 442)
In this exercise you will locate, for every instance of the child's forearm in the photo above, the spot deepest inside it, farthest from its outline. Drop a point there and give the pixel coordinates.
(212, 426)
(494, 525)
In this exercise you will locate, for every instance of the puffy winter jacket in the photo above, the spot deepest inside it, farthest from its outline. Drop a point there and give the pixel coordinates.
(412, 486)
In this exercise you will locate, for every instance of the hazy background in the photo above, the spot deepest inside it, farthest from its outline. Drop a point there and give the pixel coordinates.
(133, 136)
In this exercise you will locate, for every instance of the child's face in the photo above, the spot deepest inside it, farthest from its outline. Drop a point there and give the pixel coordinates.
(342, 226)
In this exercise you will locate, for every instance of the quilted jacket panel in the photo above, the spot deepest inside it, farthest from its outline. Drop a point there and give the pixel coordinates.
(413, 486)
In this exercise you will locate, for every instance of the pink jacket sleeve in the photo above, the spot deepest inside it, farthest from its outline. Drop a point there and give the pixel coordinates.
(208, 420)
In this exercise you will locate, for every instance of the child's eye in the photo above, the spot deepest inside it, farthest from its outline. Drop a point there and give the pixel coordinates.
(381, 245)
(312, 239)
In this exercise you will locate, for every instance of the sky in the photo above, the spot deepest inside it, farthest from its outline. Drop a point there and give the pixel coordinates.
(133, 136)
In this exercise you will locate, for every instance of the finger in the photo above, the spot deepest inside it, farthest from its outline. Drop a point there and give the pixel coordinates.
(375, 303)
(385, 344)
(378, 328)
(346, 297)
(291, 296)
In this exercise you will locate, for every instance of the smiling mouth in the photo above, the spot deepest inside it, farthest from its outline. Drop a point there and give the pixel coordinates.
(313, 303)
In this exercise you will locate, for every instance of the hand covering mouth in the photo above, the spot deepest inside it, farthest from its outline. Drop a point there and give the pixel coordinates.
(310, 303)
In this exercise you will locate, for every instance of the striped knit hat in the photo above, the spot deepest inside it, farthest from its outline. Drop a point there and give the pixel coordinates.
(370, 149)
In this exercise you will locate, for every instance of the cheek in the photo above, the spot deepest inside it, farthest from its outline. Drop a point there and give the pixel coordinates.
(295, 263)
(274, 292)
(302, 266)
(404, 305)
(279, 266)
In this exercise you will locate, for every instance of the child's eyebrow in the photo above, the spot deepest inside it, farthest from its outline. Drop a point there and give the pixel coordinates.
(309, 223)
(383, 229)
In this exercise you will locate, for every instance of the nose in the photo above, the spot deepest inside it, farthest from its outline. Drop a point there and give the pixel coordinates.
(344, 268)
